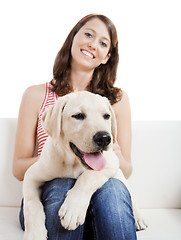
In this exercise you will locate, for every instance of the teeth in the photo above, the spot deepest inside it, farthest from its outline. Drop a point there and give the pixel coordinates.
(87, 54)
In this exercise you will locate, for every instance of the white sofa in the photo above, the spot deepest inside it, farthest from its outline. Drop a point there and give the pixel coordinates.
(156, 179)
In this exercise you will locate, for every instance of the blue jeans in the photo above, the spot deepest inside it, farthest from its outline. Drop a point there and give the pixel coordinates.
(109, 216)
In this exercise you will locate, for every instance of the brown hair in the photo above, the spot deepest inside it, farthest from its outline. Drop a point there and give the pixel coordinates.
(104, 75)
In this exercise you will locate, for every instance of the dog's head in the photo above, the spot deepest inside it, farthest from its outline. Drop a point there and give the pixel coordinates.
(84, 122)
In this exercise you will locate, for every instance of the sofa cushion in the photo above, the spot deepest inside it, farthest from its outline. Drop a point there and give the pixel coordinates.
(163, 224)
(9, 224)
(156, 157)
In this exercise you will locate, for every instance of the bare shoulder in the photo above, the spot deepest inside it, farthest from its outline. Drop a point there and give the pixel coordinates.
(33, 98)
(35, 92)
(123, 106)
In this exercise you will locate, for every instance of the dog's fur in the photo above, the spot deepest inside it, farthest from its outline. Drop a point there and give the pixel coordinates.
(75, 118)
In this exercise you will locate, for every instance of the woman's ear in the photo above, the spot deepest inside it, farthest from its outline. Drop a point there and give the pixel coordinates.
(106, 58)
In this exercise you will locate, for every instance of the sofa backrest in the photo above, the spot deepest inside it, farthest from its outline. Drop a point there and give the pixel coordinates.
(156, 157)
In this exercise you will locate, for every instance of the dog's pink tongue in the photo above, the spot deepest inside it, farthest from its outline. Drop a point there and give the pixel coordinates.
(95, 160)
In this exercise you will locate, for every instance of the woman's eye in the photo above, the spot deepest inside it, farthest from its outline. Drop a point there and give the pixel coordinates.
(89, 35)
(106, 116)
(79, 116)
(103, 44)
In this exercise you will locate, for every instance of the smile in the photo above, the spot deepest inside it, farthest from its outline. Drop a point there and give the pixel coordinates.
(88, 54)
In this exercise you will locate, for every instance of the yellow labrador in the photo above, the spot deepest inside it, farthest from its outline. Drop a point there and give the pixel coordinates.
(81, 128)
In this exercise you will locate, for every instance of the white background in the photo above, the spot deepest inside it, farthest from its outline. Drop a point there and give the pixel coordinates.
(149, 33)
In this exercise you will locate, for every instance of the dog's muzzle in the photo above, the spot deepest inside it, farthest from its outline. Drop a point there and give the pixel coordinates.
(94, 160)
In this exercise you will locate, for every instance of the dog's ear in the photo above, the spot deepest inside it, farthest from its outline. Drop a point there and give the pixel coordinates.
(113, 124)
(51, 118)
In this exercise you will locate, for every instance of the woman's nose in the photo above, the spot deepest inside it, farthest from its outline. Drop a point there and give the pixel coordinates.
(93, 45)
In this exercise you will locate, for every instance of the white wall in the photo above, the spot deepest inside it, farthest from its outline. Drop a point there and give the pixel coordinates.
(32, 32)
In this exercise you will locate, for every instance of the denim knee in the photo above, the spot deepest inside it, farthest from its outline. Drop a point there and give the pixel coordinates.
(54, 191)
(112, 214)
(53, 195)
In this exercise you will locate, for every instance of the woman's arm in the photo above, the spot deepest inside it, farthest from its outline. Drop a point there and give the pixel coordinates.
(26, 130)
(123, 146)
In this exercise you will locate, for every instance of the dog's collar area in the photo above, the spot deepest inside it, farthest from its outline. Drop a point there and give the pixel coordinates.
(79, 154)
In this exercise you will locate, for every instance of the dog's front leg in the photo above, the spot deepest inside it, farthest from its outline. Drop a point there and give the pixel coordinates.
(73, 211)
(33, 209)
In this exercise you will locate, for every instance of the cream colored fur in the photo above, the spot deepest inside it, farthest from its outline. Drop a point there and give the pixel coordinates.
(58, 161)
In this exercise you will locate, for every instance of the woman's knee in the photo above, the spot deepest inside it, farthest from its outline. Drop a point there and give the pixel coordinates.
(111, 209)
(53, 195)
(112, 191)
(54, 191)
(112, 199)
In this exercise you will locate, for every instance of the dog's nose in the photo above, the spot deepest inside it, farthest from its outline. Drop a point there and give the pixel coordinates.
(102, 139)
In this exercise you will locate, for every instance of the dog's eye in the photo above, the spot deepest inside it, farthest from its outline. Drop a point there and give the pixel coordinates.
(106, 116)
(79, 116)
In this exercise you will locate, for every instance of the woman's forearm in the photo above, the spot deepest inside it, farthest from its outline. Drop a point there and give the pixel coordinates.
(125, 165)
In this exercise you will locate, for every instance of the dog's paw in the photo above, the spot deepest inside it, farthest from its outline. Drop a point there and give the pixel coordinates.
(140, 223)
(72, 213)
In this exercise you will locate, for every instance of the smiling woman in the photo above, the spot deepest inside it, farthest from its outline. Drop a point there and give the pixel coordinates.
(94, 49)
(94, 42)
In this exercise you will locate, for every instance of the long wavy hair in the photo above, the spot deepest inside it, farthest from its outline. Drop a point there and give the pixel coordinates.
(104, 75)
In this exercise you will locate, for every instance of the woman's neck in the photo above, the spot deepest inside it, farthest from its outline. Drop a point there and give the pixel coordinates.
(80, 79)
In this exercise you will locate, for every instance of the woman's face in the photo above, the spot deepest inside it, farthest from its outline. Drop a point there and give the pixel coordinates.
(90, 46)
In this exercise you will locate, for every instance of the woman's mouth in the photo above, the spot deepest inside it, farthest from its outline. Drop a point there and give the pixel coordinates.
(88, 54)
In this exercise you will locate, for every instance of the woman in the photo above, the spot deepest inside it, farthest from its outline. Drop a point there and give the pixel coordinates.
(87, 61)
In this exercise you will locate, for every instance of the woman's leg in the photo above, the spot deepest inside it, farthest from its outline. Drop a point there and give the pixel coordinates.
(110, 215)
(53, 195)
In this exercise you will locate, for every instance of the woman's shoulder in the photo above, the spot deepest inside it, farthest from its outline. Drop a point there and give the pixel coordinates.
(33, 97)
(34, 90)
(123, 105)
(124, 100)
(34, 93)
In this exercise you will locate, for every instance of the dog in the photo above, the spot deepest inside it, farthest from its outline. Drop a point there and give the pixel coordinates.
(81, 128)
